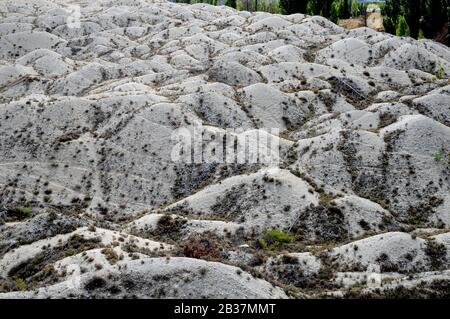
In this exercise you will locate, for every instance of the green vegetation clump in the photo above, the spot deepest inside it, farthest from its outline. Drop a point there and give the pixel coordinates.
(437, 254)
(262, 243)
(424, 18)
(402, 29)
(421, 36)
(441, 154)
(20, 284)
(438, 156)
(440, 73)
(18, 214)
(275, 238)
(25, 211)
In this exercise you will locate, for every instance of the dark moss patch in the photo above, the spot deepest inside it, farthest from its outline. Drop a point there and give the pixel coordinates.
(95, 283)
(437, 254)
(169, 227)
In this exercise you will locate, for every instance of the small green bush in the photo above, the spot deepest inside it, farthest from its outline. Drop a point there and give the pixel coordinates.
(279, 236)
(262, 243)
(439, 155)
(274, 238)
(20, 284)
(25, 211)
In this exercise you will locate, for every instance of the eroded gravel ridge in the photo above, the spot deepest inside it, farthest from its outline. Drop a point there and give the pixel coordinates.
(92, 204)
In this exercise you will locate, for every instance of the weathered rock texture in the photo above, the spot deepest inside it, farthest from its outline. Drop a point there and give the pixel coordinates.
(92, 204)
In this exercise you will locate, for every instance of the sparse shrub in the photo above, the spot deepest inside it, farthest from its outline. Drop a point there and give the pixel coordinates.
(439, 155)
(440, 73)
(421, 36)
(201, 248)
(437, 253)
(364, 225)
(279, 236)
(262, 244)
(110, 255)
(20, 284)
(169, 227)
(289, 260)
(25, 211)
(17, 215)
(95, 283)
(257, 260)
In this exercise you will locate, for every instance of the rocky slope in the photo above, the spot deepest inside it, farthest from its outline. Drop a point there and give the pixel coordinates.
(93, 204)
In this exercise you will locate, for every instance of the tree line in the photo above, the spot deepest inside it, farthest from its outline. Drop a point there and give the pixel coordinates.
(416, 18)
(331, 9)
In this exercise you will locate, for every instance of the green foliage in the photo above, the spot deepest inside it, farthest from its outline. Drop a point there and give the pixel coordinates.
(402, 29)
(428, 16)
(421, 36)
(231, 3)
(343, 7)
(275, 238)
(438, 156)
(440, 73)
(279, 236)
(262, 244)
(416, 18)
(290, 7)
(25, 211)
(331, 9)
(311, 8)
(20, 284)
(334, 11)
(354, 8)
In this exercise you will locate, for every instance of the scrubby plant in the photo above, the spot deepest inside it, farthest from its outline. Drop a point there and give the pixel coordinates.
(95, 283)
(438, 157)
(17, 214)
(20, 284)
(169, 227)
(437, 254)
(440, 72)
(279, 236)
(262, 244)
(25, 211)
(201, 248)
(275, 238)
(421, 36)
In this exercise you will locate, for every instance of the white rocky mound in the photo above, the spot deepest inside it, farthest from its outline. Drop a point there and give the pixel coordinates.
(94, 205)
